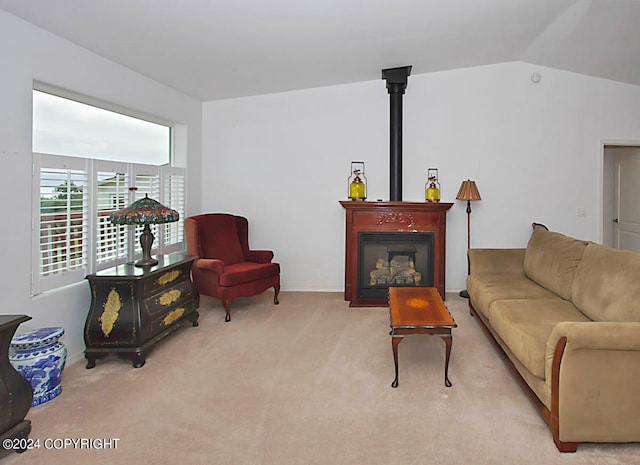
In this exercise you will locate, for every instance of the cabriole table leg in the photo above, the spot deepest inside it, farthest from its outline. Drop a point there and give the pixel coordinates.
(395, 341)
(448, 340)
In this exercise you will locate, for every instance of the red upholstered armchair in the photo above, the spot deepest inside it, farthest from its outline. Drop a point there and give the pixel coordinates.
(226, 268)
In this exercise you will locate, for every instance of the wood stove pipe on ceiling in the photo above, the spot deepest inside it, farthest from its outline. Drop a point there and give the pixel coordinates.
(396, 84)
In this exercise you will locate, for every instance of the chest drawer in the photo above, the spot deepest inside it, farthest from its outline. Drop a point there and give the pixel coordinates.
(168, 298)
(164, 321)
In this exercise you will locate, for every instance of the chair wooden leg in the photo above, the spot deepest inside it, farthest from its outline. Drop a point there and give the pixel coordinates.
(275, 296)
(227, 308)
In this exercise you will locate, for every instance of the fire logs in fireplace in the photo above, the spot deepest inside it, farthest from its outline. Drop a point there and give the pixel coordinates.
(400, 270)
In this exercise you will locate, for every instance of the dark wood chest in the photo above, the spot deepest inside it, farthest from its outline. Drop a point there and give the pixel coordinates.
(133, 308)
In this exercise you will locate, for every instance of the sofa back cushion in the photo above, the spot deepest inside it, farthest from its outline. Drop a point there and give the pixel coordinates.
(606, 286)
(551, 260)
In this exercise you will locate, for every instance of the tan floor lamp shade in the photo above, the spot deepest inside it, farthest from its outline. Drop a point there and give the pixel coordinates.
(468, 191)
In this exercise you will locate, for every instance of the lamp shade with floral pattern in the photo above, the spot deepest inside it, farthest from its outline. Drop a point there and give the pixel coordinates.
(145, 211)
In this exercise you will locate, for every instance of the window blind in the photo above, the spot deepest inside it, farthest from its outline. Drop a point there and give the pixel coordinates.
(111, 194)
(61, 221)
(147, 182)
(72, 200)
(174, 186)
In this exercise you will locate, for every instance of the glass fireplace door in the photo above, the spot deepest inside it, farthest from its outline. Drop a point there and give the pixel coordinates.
(393, 259)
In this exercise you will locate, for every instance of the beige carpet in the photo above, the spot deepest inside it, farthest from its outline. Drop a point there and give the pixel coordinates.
(306, 382)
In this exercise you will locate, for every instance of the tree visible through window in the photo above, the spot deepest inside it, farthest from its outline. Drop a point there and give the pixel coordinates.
(63, 211)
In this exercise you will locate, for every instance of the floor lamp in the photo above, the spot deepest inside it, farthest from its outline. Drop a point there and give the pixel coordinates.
(468, 191)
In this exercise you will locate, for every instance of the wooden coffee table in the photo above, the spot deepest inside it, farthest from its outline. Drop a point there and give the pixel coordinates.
(419, 310)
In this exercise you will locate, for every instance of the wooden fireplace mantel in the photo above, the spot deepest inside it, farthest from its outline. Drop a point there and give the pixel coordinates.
(392, 216)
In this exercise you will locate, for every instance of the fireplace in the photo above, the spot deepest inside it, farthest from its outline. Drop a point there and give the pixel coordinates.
(393, 244)
(388, 259)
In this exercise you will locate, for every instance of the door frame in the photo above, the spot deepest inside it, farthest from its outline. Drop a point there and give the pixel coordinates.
(607, 186)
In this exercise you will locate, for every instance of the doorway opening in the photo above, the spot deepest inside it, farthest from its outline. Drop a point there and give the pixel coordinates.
(621, 188)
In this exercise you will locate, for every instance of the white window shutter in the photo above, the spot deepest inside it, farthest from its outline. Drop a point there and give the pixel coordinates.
(61, 209)
(146, 178)
(173, 196)
(111, 193)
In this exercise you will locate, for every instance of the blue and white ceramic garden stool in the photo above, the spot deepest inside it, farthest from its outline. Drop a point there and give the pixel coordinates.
(40, 358)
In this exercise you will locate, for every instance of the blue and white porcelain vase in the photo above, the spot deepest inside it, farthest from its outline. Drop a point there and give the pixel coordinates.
(40, 357)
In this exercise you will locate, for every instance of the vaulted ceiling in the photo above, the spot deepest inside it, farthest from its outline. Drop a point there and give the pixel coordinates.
(215, 49)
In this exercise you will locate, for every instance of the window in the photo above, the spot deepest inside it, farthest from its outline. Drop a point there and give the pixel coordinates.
(63, 126)
(73, 195)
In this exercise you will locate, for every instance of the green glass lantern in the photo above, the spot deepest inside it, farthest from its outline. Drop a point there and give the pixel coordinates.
(357, 181)
(432, 186)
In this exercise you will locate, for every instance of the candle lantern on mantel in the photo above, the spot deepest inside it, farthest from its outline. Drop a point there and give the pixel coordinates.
(357, 181)
(432, 186)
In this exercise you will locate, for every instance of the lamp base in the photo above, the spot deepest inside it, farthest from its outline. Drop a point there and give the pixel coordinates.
(464, 294)
(146, 241)
(146, 262)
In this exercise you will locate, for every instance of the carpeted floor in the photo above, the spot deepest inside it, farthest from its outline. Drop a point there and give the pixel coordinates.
(306, 382)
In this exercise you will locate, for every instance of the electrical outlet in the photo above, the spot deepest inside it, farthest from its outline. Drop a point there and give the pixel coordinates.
(581, 211)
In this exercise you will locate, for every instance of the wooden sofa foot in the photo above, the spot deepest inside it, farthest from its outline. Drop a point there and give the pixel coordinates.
(565, 446)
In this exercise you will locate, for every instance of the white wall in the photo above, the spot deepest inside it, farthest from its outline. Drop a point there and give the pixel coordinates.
(29, 53)
(535, 151)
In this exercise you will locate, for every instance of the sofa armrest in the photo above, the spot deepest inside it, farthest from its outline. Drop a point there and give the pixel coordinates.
(594, 381)
(594, 336)
(210, 264)
(496, 261)
(259, 256)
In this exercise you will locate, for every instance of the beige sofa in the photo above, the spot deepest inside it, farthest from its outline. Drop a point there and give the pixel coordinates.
(566, 314)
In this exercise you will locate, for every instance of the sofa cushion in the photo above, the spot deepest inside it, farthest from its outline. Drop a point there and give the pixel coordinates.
(607, 284)
(551, 260)
(525, 326)
(486, 288)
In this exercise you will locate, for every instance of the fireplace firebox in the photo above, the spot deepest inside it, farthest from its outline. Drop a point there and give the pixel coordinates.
(387, 259)
(393, 244)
